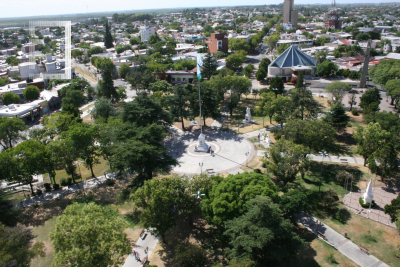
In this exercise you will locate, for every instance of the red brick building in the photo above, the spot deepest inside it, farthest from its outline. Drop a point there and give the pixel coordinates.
(217, 43)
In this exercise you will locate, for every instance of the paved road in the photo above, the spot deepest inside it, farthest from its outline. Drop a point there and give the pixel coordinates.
(150, 242)
(342, 244)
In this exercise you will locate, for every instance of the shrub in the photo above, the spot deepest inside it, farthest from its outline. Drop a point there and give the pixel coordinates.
(110, 182)
(257, 171)
(341, 177)
(38, 192)
(330, 199)
(366, 205)
(330, 258)
(342, 215)
(355, 112)
(56, 186)
(63, 182)
(69, 181)
(47, 187)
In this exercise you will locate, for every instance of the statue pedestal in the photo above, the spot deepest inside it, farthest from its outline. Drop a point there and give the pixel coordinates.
(247, 118)
(202, 146)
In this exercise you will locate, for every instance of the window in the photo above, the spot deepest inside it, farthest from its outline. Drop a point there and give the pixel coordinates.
(219, 44)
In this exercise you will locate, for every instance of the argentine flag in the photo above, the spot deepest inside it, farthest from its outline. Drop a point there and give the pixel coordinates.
(199, 65)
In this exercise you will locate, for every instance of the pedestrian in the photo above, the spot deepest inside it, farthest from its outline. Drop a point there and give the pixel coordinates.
(105, 175)
(345, 235)
(258, 137)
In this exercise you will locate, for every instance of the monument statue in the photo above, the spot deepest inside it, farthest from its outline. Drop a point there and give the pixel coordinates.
(202, 146)
(248, 115)
(368, 193)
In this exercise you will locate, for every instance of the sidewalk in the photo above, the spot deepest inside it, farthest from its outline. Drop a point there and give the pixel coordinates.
(342, 244)
(150, 241)
(63, 191)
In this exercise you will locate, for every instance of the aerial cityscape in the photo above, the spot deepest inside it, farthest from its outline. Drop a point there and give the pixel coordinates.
(237, 134)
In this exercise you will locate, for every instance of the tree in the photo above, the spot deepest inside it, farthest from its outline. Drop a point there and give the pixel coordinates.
(277, 86)
(261, 74)
(265, 107)
(285, 159)
(370, 100)
(141, 78)
(76, 53)
(262, 235)
(144, 111)
(10, 98)
(84, 137)
(108, 40)
(103, 108)
(31, 92)
(305, 106)
(179, 104)
(230, 197)
(265, 62)
(209, 102)
(235, 60)
(293, 202)
(320, 56)
(282, 48)
(209, 66)
(139, 150)
(13, 61)
(370, 139)
(326, 69)
(337, 117)
(392, 89)
(31, 159)
(89, 235)
(320, 41)
(153, 39)
(282, 105)
(190, 255)
(106, 87)
(11, 131)
(362, 36)
(124, 70)
(338, 90)
(160, 200)
(72, 97)
(162, 86)
(393, 209)
(352, 100)
(237, 44)
(316, 135)
(16, 247)
(273, 40)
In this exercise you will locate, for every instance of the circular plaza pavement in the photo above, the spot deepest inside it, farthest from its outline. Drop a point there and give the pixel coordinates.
(229, 152)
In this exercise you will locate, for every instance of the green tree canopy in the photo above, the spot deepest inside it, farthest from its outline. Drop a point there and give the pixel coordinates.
(235, 60)
(229, 198)
(262, 234)
(337, 117)
(338, 90)
(326, 69)
(162, 86)
(103, 108)
(89, 235)
(10, 98)
(285, 159)
(31, 92)
(237, 44)
(124, 70)
(108, 39)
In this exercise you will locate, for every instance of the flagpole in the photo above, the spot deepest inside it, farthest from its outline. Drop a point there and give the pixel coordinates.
(201, 126)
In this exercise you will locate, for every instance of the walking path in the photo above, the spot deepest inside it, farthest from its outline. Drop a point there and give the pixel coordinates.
(63, 191)
(342, 244)
(149, 242)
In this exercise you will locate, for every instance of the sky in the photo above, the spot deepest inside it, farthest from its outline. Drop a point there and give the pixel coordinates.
(23, 8)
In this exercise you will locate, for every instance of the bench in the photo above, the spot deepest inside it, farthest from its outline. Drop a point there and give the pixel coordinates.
(209, 170)
(141, 233)
(321, 234)
(343, 160)
(363, 249)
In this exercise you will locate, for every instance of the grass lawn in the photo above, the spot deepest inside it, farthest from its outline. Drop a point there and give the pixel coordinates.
(324, 102)
(98, 170)
(86, 74)
(42, 219)
(254, 163)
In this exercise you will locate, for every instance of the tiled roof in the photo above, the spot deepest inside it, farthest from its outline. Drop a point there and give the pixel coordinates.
(293, 57)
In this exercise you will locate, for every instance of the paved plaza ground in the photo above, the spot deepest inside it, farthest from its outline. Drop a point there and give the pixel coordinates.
(231, 152)
(382, 197)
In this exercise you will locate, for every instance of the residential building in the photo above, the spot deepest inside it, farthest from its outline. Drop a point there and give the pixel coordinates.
(145, 31)
(218, 42)
(290, 15)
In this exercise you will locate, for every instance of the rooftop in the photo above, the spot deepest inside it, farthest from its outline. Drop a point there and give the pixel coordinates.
(293, 57)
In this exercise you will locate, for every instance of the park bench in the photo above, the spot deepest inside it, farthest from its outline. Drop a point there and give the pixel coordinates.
(321, 234)
(363, 249)
(343, 160)
(209, 170)
(141, 233)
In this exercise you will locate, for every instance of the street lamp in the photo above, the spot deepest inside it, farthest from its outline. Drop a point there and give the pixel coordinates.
(79, 166)
(275, 91)
(198, 195)
(247, 153)
(323, 154)
(201, 167)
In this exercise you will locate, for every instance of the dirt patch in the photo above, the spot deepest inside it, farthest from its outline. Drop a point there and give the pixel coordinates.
(189, 127)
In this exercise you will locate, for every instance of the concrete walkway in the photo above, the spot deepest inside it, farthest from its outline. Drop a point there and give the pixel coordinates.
(63, 191)
(339, 242)
(150, 242)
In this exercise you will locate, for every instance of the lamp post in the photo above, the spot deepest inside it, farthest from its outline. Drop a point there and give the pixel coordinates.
(247, 153)
(198, 195)
(323, 154)
(201, 167)
(275, 91)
